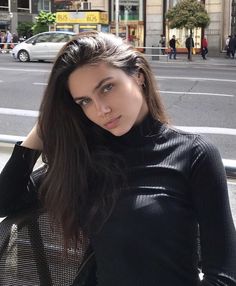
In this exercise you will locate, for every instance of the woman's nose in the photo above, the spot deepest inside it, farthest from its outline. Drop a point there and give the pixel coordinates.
(102, 108)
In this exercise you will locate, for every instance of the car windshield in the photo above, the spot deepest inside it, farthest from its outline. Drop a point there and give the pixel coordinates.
(50, 37)
(30, 40)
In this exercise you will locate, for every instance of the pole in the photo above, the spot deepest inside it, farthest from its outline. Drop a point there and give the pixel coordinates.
(117, 17)
(126, 25)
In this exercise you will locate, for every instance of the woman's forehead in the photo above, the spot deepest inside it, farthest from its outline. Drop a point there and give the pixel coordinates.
(85, 79)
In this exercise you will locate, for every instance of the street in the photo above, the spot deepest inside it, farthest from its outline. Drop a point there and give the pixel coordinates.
(202, 97)
(199, 97)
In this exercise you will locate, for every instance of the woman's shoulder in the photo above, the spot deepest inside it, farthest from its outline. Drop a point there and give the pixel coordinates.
(179, 133)
(196, 143)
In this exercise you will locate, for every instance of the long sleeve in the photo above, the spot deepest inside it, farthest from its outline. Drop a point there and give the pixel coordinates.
(14, 180)
(217, 231)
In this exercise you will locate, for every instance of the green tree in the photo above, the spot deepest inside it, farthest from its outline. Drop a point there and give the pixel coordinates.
(24, 29)
(188, 14)
(43, 20)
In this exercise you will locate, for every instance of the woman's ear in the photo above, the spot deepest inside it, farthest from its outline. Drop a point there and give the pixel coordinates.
(140, 78)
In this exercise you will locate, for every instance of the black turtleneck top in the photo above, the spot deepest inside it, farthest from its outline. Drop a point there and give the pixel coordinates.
(177, 193)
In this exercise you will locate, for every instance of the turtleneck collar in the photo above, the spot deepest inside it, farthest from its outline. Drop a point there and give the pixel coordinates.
(139, 134)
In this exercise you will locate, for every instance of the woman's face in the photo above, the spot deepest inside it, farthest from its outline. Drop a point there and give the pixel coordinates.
(109, 97)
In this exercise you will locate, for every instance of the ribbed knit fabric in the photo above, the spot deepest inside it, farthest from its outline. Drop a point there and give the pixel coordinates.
(176, 182)
(176, 186)
(15, 181)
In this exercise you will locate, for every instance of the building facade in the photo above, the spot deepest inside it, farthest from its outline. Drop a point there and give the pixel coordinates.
(223, 23)
(140, 21)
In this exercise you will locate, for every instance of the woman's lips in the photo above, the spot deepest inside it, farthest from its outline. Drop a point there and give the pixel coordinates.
(113, 123)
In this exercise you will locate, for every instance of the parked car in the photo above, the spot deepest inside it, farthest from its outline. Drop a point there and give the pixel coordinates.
(43, 46)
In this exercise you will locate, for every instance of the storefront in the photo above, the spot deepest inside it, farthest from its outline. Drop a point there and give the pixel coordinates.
(131, 20)
(182, 34)
(79, 21)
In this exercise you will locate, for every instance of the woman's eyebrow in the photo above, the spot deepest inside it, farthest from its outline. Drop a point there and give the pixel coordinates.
(79, 98)
(102, 82)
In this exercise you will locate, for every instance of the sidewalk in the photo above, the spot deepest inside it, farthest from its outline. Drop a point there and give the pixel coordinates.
(196, 60)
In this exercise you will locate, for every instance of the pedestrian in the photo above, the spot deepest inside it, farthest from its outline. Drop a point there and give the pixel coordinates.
(15, 38)
(227, 48)
(1, 40)
(131, 38)
(204, 48)
(232, 47)
(172, 44)
(162, 43)
(139, 189)
(189, 44)
(8, 39)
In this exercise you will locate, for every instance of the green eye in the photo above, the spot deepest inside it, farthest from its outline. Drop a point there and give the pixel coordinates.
(83, 102)
(107, 87)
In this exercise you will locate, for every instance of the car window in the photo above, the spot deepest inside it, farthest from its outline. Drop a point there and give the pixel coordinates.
(59, 38)
(44, 38)
(29, 41)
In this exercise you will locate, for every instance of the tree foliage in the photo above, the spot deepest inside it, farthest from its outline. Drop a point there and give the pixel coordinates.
(188, 14)
(43, 20)
(24, 29)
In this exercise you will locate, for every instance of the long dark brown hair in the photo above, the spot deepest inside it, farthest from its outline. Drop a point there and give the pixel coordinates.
(83, 179)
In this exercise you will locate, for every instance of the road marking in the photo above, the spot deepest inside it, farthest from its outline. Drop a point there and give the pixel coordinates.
(230, 163)
(19, 112)
(196, 93)
(24, 70)
(230, 182)
(11, 138)
(195, 78)
(197, 66)
(208, 130)
(196, 129)
(39, 83)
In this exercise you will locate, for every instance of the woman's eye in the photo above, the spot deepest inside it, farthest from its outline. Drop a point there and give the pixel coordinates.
(107, 88)
(83, 102)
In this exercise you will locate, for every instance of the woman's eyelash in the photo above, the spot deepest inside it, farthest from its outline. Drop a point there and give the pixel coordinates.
(107, 87)
(83, 102)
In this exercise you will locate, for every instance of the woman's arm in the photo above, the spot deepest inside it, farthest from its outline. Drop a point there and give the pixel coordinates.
(14, 178)
(33, 141)
(217, 230)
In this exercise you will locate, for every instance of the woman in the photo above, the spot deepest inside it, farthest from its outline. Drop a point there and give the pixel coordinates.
(141, 191)
(204, 47)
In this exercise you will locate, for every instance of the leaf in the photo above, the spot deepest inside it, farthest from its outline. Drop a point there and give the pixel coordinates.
(187, 14)
(43, 20)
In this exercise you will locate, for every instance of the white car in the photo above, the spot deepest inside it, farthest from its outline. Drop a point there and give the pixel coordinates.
(43, 46)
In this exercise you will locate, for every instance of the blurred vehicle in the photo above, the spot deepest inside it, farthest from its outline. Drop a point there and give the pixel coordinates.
(43, 46)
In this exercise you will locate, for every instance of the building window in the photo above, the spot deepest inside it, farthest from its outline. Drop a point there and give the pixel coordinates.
(63, 4)
(23, 5)
(44, 5)
(131, 25)
(4, 6)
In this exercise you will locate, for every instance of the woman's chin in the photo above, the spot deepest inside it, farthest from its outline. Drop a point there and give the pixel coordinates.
(119, 132)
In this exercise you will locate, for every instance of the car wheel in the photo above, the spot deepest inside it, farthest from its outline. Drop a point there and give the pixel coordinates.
(23, 56)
